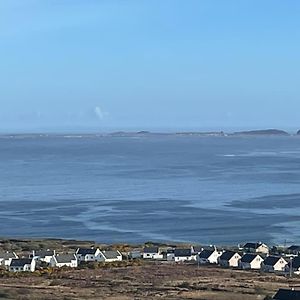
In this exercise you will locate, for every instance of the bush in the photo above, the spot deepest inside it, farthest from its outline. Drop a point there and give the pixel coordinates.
(4, 295)
(184, 285)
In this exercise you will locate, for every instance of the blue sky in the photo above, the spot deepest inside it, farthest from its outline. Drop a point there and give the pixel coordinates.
(80, 65)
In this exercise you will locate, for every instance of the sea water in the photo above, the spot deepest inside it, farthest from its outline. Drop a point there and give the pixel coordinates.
(210, 190)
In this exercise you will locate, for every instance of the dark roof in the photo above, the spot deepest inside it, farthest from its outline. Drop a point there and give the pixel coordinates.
(111, 254)
(65, 258)
(283, 294)
(85, 251)
(248, 258)
(206, 253)
(20, 262)
(296, 262)
(182, 252)
(151, 250)
(7, 255)
(44, 253)
(197, 249)
(227, 255)
(271, 260)
(252, 245)
(294, 248)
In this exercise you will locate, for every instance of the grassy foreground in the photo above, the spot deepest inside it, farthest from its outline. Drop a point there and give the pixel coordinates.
(133, 279)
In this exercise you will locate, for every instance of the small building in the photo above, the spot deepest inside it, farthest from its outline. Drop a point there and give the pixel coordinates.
(6, 258)
(294, 249)
(181, 255)
(170, 255)
(229, 259)
(274, 264)
(135, 254)
(43, 255)
(251, 261)
(256, 248)
(152, 253)
(209, 256)
(22, 265)
(64, 260)
(110, 256)
(285, 294)
(294, 263)
(88, 254)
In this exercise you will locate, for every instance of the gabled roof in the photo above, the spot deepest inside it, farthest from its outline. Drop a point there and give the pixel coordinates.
(111, 254)
(248, 258)
(205, 254)
(20, 262)
(44, 253)
(86, 251)
(151, 250)
(182, 252)
(7, 255)
(252, 245)
(65, 258)
(283, 294)
(295, 262)
(271, 260)
(227, 255)
(294, 248)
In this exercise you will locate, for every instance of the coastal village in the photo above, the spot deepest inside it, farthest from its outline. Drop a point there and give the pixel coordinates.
(251, 256)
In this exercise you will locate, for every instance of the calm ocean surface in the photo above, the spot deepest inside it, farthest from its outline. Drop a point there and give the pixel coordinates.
(222, 190)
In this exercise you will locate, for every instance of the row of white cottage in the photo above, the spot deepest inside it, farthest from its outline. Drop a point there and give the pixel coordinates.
(256, 261)
(13, 263)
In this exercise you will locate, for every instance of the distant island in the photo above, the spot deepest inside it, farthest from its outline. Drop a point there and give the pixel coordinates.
(263, 132)
(145, 133)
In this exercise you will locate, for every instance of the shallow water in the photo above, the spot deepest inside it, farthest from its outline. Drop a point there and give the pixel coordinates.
(222, 190)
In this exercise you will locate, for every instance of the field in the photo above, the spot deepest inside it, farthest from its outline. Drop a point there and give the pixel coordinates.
(146, 281)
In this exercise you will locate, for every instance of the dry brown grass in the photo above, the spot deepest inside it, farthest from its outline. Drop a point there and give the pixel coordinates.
(150, 281)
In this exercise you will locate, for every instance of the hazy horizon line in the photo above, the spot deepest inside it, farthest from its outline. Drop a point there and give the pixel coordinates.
(86, 131)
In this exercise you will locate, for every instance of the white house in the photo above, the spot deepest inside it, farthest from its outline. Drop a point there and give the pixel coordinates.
(274, 264)
(88, 254)
(170, 255)
(251, 261)
(43, 255)
(110, 256)
(152, 253)
(209, 256)
(229, 259)
(64, 260)
(256, 248)
(181, 255)
(22, 265)
(6, 258)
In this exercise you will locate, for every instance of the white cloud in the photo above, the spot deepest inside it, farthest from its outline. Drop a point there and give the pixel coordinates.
(100, 114)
